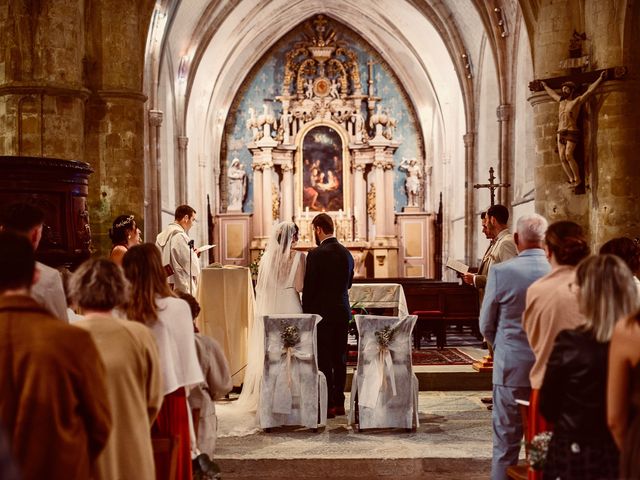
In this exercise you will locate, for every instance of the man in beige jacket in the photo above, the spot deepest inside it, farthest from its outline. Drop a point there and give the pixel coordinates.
(502, 247)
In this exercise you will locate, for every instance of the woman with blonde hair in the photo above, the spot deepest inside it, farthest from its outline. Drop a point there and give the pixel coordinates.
(153, 303)
(130, 356)
(573, 393)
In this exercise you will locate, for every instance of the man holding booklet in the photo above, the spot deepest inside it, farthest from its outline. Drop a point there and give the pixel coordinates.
(179, 256)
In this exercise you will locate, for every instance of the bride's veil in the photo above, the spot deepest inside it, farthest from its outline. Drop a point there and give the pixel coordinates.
(275, 268)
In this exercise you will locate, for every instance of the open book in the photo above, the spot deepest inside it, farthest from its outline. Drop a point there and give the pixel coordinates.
(457, 266)
(204, 248)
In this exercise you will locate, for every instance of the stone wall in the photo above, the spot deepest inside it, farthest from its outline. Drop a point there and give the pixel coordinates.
(70, 88)
(610, 117)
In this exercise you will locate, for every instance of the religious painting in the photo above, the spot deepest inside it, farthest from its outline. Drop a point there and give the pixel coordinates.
(323, 179)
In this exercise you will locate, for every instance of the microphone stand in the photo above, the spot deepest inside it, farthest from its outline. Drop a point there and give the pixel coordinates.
(191, 242)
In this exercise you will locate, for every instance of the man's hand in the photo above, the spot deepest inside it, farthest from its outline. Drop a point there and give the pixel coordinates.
(468, 278)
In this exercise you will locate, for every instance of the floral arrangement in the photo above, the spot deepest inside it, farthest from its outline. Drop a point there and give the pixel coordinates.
(356, 309)
(385, 336)
(254, 266)
(538, 448)
(290, 336)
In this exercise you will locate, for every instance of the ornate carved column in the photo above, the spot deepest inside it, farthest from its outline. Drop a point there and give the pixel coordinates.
(287, 192)
(381, 217)
(153, 213)
(267, 198)
(359, 201)
(388, 189)
(470, 223)
(257, 195)
(181, 174)
(504, 161)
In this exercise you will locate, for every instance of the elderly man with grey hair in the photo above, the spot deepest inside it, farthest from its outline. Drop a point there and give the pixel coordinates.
(501, 324)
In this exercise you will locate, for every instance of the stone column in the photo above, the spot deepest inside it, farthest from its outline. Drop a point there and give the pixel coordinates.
(359, 202)
(267, 198)
(470, 220)
(42, 95)
(504, 161)
(381, 217)
(390, 197)
(181, 170)
(153, 213)
(114, 121)
(287, 192)
(615, 172)
(257, 195)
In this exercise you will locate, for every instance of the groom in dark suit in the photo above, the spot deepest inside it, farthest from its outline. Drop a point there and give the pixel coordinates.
(327, 282)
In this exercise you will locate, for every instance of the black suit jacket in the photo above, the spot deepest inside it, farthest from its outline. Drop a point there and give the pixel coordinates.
(328, 278)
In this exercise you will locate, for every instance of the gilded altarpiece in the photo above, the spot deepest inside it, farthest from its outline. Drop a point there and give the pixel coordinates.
(330, 148)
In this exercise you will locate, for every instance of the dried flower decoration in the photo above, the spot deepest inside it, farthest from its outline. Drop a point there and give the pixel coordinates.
(385, 336)
(538, 448)
(290, 336)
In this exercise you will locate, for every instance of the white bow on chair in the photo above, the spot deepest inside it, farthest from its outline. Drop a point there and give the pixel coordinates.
(287, 383)
(376, 373)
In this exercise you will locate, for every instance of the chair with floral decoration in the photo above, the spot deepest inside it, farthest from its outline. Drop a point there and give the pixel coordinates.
(293, 391)
(384, 390)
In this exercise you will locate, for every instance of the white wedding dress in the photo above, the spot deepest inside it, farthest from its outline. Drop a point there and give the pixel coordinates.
(278, 290)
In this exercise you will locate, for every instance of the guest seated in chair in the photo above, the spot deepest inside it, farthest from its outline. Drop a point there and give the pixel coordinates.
(217, 383)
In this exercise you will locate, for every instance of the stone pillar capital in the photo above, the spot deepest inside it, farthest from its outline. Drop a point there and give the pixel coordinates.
(287, 167)
(469, 139)
(503, 112)
(155, 118)
(183, 142)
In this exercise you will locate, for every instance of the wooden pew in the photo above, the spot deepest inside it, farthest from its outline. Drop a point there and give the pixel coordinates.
(437, 304)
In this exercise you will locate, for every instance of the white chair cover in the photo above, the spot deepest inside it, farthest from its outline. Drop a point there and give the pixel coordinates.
(384, 384)
(293, 391)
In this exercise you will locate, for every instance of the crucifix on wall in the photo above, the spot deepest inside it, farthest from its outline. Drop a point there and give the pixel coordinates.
(572, 95)
(492, 186)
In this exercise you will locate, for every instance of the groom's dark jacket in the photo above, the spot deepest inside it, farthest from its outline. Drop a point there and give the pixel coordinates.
(327, 281)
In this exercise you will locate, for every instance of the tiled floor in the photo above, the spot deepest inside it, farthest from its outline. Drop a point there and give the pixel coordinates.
(453, 441)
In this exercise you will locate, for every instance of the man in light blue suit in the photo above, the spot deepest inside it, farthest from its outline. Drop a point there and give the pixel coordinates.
(501, 325)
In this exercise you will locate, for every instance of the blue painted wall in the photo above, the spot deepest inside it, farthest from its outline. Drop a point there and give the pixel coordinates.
(263, 84)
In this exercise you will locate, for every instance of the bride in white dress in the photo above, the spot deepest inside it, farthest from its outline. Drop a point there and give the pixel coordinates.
(280, 281)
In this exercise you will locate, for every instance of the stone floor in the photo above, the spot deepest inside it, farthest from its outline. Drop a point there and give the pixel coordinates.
(452, 442)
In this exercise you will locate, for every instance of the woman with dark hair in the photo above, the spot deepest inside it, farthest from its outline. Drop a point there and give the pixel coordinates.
(153, 303)
(552, 307)
(574, 389)
(629, 251)
(124, 234)
(130, 356)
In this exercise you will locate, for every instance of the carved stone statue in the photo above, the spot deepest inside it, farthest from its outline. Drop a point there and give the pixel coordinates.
(412, 184)
(237, 188)
(333, 90)
(568, 131)
(308, 88)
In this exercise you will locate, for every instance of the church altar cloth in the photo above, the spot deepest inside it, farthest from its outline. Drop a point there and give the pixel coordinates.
(379, 295)
(227, 301)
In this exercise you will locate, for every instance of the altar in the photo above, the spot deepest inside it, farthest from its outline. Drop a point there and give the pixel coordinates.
(227, 302)
(379, 296)
(329, 141)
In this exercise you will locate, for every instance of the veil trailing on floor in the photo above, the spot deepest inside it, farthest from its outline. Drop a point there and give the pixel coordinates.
(276, 266)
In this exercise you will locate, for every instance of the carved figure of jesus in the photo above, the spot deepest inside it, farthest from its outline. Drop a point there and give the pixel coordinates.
(412, 183)
(568, 132)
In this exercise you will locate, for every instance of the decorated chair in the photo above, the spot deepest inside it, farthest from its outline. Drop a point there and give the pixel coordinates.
(384, 390)
(293, 391)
